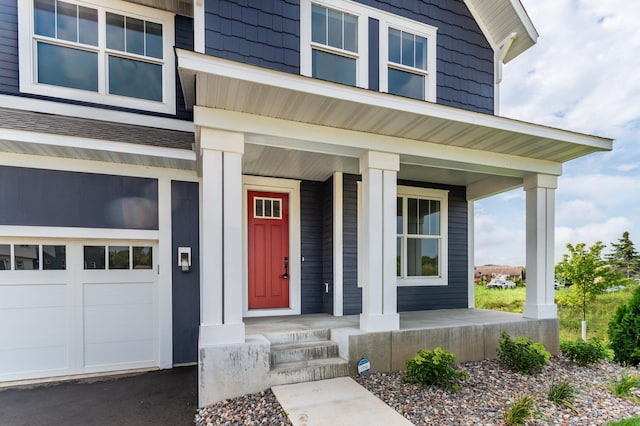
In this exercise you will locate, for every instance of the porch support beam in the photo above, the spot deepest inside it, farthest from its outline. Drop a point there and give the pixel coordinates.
(379, 290)
(220, 155)
(540, 232)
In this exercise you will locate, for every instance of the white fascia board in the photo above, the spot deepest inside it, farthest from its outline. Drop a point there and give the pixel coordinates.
(79, 233)
(215, 66)
(25, 136)
(349, 143)
(94, 166)
(94, 113)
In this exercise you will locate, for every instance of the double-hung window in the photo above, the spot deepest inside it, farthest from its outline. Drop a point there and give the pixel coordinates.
(110, 53)
(408, 65)
(333, 38)
(421, 236)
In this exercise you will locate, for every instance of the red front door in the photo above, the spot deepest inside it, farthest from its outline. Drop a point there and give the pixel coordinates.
(268, 230)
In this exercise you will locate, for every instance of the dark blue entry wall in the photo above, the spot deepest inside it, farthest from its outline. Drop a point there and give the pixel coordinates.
(37, 197)
(186, 285)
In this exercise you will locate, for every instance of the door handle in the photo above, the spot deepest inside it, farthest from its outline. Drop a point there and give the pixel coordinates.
(285, 276)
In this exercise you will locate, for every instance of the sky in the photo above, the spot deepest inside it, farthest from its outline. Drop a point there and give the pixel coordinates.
(582, 75)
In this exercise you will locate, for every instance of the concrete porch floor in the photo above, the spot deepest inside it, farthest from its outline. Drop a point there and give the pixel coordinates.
(441, 318)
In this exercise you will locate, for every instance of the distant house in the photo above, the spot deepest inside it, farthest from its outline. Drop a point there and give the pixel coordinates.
(487, 272)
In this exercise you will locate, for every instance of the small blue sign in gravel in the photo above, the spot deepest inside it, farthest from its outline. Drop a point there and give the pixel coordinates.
(363, 367)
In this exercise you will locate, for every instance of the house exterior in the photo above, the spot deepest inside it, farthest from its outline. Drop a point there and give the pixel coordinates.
(170, 168)
(486, 272)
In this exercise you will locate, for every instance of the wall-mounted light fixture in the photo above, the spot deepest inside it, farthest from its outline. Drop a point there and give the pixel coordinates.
(184, 258)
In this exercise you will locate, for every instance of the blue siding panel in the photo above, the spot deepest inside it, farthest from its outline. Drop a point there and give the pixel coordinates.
(185, 293)
(311, 198)
(464, 54)
(453, 295)
(352, 294)
(374, 54)
(35, 197)
(9, 83)
(9, 76)
(265, 34)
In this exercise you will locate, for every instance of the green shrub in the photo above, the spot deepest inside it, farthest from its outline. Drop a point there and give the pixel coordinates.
(624, 331)
(436, 368)
(632, 421)
(562, 392)
(522, 354)
(584, 353)
(519, 411)
(622, 388)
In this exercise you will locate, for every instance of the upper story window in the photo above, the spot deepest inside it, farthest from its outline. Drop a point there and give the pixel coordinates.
(335, 44)
(421, 236)
(408, 65)
(110, 53)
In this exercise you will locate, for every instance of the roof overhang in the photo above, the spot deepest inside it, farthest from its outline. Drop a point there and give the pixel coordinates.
(296, 113)
(499, 19)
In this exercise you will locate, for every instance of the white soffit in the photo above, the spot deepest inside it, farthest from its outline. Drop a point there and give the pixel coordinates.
(231, 86)
(500, 18)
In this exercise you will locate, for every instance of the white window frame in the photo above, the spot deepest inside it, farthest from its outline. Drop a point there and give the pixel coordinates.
(307, 46)
(443, 259)
(385, 20)
(28, 62)
(423, 30)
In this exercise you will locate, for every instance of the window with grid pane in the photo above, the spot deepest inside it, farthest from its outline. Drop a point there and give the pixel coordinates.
(407, 70)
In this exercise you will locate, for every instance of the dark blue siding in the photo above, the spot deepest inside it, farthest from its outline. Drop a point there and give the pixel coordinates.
(262, 33)
(9, 76)
(327, 246)
(311, 198)
(267, 34)
(185, 285)
(453, 295)
(465, 58)
(352, 294)
(34, 197)
(8, 46)
(374, 54)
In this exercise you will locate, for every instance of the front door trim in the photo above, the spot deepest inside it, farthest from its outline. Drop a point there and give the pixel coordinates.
(287, 186)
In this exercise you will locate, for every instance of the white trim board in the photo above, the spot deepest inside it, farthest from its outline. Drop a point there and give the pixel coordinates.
(291, 187)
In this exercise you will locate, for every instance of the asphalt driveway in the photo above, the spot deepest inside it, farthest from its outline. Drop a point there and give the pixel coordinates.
(167, 397)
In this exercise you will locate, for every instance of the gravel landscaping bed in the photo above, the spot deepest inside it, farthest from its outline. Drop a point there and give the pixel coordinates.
(483, 396)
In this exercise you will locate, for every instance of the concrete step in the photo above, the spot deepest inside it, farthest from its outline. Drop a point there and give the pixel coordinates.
(306, 371)
(303, 351)
(288, 337)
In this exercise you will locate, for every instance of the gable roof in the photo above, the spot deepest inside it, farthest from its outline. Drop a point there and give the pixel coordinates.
(499, 19)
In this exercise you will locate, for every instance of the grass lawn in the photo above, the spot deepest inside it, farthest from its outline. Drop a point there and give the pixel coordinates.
(598, 314)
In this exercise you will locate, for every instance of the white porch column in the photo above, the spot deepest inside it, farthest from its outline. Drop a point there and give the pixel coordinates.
(379, 284)
(540, 210)
(220, 154)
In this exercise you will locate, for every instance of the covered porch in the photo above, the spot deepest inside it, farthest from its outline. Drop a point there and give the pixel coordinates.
(266, 130)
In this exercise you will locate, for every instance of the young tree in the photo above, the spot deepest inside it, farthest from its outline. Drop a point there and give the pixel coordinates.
(589, 275)
(624, 256)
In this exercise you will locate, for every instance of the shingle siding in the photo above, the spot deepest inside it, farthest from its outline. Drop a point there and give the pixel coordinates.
(9, 75)
(9, 47)
(265, 33)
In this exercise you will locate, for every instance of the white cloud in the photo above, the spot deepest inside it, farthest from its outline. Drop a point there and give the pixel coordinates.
(608, 231)
(578, 212)
(497, 244)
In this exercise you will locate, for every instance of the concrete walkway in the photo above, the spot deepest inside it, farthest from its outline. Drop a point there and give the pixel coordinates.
(335, 402)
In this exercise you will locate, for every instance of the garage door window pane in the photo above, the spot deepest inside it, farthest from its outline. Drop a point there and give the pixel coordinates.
(142, 258)
(5, 257)
(27, 257)
(94, 257)
(118, 257)
(55, 257)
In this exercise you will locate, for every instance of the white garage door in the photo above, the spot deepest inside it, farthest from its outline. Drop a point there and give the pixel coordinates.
(69, 307)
